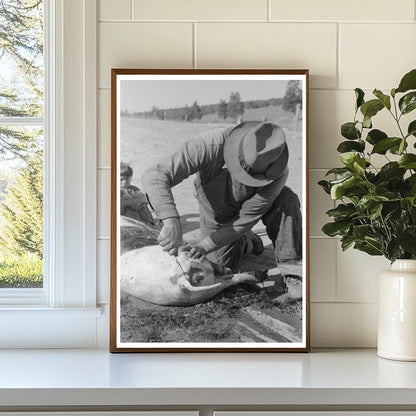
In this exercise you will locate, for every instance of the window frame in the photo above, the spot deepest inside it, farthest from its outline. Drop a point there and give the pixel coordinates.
(28, 316)
(38, 296)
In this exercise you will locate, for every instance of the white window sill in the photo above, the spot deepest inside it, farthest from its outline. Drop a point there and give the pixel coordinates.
(36, 312)
(40, 327)
(330, 379)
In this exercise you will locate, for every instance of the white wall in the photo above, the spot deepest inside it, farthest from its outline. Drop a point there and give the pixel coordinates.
(345, 44)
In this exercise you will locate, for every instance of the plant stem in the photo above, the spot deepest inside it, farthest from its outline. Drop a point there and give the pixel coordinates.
(396, 119)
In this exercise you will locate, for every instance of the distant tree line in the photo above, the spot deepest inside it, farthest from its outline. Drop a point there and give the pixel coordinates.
(233, 108)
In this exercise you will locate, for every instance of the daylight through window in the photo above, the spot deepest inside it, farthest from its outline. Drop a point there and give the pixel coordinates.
(21, 143)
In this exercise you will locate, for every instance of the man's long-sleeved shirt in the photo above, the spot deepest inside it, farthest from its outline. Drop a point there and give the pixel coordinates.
(229, 207)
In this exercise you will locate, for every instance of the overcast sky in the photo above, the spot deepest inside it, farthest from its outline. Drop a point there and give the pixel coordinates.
(140, 95)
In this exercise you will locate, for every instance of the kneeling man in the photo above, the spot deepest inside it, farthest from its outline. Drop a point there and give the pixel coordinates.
(240, 179)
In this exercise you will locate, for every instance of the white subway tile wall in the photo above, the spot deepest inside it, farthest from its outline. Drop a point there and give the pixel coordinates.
(104, 128)
(357, 275)
(345, 44)
(343, 325)
(323, 267)
(104, 202)
(114, 10)
(200, 10)
(355, 10)
(103, 270)
(270, 45)
(372, 47)
(144, 45)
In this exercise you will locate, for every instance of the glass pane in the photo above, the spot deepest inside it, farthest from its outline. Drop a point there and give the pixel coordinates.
(21, 58)
(21, 207)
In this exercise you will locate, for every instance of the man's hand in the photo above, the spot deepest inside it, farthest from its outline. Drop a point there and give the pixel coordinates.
(194, 252)
(170, 237)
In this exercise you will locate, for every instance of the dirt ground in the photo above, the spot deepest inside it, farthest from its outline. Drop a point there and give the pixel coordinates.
(249, 313)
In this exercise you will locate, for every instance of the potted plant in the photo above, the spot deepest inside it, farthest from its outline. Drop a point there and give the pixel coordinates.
(376, 209)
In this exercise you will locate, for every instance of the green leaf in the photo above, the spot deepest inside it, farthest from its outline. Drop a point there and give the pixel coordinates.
(359, 95)
(325, 186)
(408, 161)
(369, 201)
(408, 82)
(407, 240)
(368, 248)
(348, 158)
(359, 165)
(367, 122)
(408, 102)
(383, 145)
(411, 184)
(375, 211)
(342, 211)
(398, 149)
(371, 108)
(338, 171)
(385, 99)
(411, 180)
(391, 170)
(361, 231)
(349, 131)
(348, 186)
(393, 92)
(349, 146)
(411, 130)
(393, 250)
(375, 136)
(338, 189)
(346, 242)
(336, 228)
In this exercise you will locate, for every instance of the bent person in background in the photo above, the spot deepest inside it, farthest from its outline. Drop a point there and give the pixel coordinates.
(133, 202)
(240, 179)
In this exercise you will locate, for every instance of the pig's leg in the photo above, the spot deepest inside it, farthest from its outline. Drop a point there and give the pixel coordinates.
(255, 276)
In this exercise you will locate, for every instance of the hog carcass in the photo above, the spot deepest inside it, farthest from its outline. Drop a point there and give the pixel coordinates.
(152, 275)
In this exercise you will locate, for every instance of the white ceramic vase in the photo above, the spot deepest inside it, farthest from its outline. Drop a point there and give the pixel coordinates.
(397, 312)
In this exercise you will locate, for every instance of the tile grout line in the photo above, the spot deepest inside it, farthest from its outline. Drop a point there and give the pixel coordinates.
(310, 89)
(269, 10)
(338, 65)
(344, 302)
(194, 63)
(131, 9)
(336, 271)
(322, 237)
(308, 22)
(310, 169)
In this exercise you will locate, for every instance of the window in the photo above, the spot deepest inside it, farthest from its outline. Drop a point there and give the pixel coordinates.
(22, 128)
(63, 313)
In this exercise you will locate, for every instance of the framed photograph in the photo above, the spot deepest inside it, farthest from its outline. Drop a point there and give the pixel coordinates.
(209, 213)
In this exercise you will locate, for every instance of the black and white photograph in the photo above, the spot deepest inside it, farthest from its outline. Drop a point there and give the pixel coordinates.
(209, 244)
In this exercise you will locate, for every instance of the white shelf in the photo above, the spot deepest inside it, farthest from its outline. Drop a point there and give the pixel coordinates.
(57, 378)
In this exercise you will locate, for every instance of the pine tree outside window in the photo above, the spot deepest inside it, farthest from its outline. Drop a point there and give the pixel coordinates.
(22, 128)
(62, 311)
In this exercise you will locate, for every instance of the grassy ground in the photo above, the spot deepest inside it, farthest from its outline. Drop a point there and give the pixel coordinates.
(214, 321)
(240, 314)
(21, 272)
